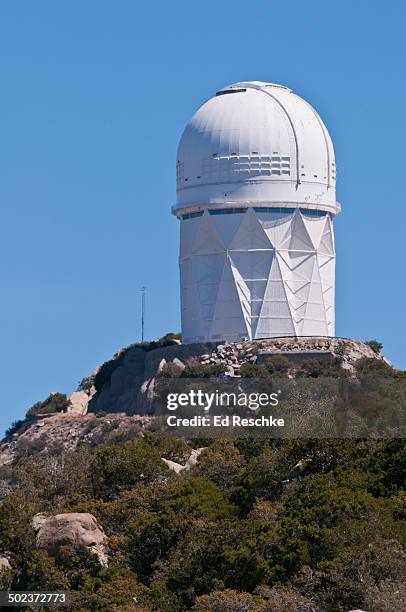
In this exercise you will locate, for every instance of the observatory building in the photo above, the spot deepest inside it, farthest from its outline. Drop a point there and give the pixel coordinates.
(256, 197)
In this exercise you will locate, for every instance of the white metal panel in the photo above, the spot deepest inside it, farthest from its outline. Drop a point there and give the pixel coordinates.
(259, 145)
(256, 290)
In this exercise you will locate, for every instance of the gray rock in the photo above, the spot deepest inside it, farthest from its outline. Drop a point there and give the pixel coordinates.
(179, 363)
(38, 520)
(74, 529)
(191, 462)
(79, 401)
(161, 365)
(4, 564)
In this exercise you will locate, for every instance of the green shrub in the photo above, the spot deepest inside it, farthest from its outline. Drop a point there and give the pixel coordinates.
(253, 370)
(375, 345)
(169, 447)
(14, 428)
(228, 601)
(55, 402)
(198, 370)
(222, 463)
(278, 365)
(316, 368)
(119, 467)
(369, 366)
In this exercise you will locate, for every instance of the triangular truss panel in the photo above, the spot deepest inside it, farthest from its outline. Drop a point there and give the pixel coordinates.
(252, 265)
(326, 245)
(226, 226)
(206, 240)
(278, 230)
(299, 238)
(314, 229)
(187, 236)
(275, 312)
(250, 234)
(228, 318)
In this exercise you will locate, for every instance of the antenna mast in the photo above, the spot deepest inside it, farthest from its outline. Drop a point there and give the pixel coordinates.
(143, 290)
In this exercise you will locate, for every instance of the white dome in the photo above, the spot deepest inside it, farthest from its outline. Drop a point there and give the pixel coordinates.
(255, 144)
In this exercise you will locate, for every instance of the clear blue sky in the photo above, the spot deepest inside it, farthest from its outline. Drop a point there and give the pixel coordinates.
(94, 97)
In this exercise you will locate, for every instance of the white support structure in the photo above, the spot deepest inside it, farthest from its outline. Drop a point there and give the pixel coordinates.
(256, 198)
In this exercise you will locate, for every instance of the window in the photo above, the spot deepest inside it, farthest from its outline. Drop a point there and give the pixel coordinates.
(276, 210)
(227, 211)
(267, 210)
(313, 213)
(193, 215)
(229, 91)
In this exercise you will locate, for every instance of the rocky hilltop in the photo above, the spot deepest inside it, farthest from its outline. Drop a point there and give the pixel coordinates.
(117, 400)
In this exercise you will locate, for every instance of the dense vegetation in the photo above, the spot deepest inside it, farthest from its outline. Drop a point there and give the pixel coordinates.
(257, 525)
(298, 525)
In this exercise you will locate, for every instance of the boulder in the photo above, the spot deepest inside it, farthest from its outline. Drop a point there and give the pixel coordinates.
(38, 520)
(179, 363)
(79, 401)
(4, 564)
(172, 465)
(74, 529)
(191, 462)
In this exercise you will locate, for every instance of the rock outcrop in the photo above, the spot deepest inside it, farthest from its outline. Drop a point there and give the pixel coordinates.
(79, 401)
(75, 529)
(126, 383)
(124, 387)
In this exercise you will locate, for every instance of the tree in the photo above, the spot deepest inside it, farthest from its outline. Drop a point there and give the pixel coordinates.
(55, 402)
(262, 477)
(16, 532)
(222, 463)
(119, 467)
(374, 345)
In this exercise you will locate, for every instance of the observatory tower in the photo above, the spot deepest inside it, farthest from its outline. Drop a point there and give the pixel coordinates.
(256, 198)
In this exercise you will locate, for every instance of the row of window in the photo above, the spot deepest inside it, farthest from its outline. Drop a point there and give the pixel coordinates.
(234, 211)
(254, 164)
(249, 164)
(268, 165)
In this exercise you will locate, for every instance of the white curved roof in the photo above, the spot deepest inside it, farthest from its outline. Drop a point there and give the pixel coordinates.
(256, 144)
